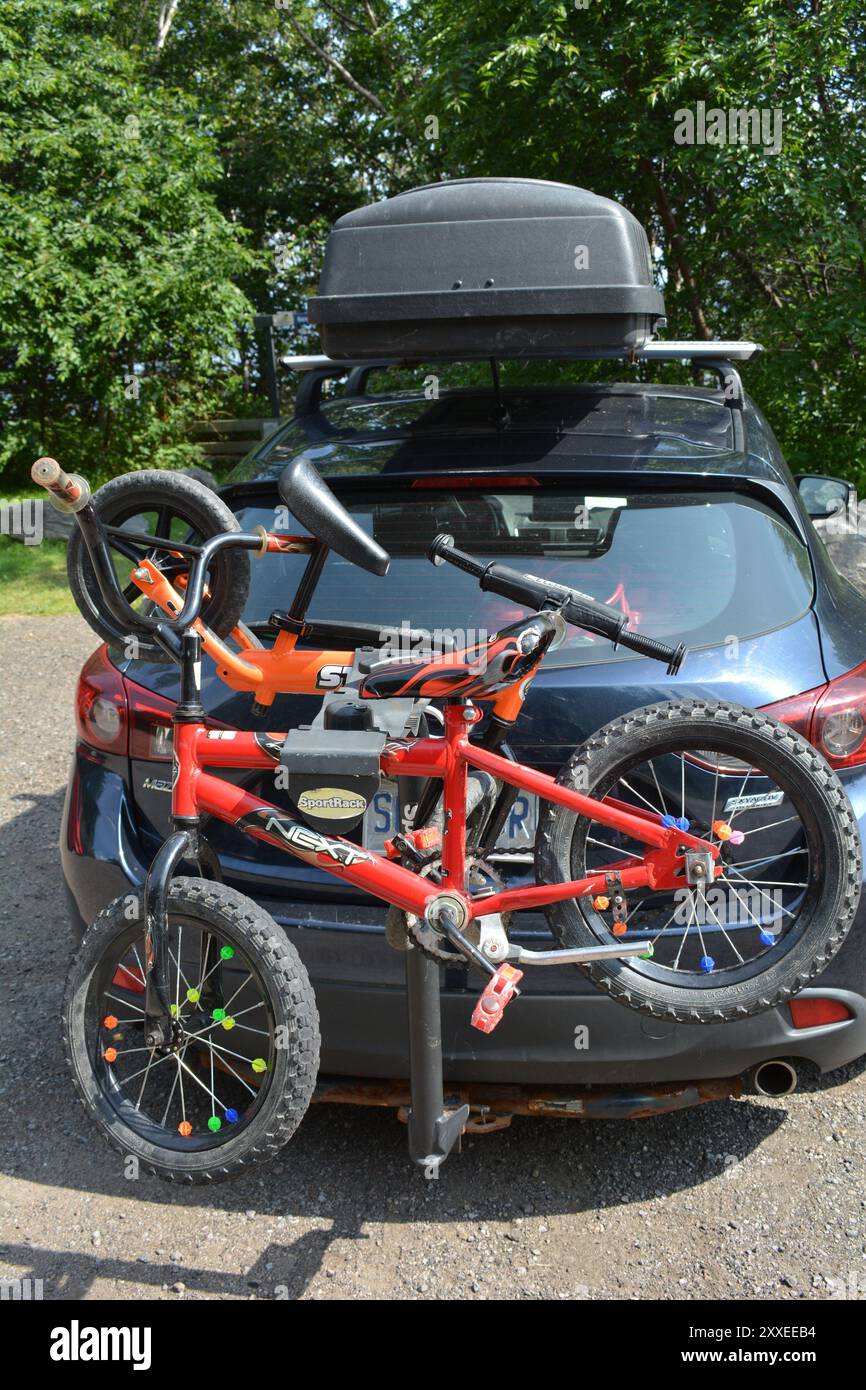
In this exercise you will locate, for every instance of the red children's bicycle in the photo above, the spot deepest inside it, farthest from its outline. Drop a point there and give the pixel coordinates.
(700, 860)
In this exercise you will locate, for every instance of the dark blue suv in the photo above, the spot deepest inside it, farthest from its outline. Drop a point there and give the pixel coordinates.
(674, 503)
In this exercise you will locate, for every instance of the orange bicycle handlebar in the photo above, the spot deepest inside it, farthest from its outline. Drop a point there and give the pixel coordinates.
(68, 488)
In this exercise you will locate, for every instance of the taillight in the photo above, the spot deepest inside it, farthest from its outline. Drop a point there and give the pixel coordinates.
(832, 717)
(839, 723)
(149, 724)
(100, 704)
(812, 1013)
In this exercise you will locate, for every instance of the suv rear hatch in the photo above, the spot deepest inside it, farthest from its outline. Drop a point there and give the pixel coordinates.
(686, 562)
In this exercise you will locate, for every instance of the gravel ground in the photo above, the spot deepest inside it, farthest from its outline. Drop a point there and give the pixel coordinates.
(736, 1200)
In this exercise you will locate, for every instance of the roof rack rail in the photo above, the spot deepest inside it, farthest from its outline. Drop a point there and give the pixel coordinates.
(716, 356)
(733, 350)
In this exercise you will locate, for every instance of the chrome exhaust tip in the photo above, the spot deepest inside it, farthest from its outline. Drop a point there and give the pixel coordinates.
(775, 1078)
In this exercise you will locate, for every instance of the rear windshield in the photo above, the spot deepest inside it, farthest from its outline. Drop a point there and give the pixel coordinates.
(659, 428)
(696, 567)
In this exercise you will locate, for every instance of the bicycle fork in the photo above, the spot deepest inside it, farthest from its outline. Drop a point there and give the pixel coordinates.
(186, 843)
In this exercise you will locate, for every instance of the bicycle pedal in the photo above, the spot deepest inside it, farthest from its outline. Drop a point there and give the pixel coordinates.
(421, 847)
(500, 989)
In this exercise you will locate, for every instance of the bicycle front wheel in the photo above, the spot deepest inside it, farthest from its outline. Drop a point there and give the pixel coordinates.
(789, 846)
(235, 1081)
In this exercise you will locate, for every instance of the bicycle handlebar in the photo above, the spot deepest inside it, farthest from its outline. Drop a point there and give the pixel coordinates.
(75, 492)
(579, 609)
(69, 489)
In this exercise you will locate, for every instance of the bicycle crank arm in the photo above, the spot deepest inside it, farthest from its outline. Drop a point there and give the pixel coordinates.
(574, 955)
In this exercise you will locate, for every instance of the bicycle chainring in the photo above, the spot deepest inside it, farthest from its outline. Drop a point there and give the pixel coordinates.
(479, 874)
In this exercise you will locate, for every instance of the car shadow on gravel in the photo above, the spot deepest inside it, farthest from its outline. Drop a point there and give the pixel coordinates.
(348, 1171)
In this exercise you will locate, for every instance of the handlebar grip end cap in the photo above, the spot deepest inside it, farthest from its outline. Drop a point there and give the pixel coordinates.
(45, 471)
(677, 659)
(440, 544)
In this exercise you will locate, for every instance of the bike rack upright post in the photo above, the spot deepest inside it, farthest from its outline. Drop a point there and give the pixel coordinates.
(433, 1130)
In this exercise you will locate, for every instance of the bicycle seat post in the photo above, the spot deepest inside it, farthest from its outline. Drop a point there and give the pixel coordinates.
(433, 1130)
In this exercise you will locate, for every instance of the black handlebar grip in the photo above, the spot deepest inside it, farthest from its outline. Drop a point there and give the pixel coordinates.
(580, 609)
(651, 646)
(443, 549)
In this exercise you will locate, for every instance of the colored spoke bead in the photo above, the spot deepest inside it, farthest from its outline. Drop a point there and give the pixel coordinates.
(708, 965)
(232, 1116)
(669, 822)
(767, 938)
(722, 829)
(619, 928)
(259, 1064)
(648, 953)
(227, 1022)
(173, 1010)
(682, 823)
(193, 996)
(110, 1054)
(109, 1022)
(737, 837)
(214, 1123)
(601, 904)
(218, 1015)
(185, 1128)
(227, 952)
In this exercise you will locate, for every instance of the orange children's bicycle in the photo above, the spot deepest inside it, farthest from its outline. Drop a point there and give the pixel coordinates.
(700, 860)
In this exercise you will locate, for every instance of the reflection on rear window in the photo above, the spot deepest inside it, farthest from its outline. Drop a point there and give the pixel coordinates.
(697, 567)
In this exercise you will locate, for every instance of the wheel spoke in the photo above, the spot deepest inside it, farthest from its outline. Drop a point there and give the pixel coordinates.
(218, 1023)
(685, 934)
(173, 1088)
(767, 895)
(759, 829)
(739, 795)
(634, 791)
(127, 1003)
(715, 798)
(716, 919)
(613, 848)
(198, 1081)
(658, 788)
(144, 1081)
(771, 858)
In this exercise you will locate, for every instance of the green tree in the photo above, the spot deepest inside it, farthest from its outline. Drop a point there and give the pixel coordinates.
(749, 243)
(119, 298)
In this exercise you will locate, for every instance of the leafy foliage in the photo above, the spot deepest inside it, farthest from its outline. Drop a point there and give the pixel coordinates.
(165, 168)
(118, 304)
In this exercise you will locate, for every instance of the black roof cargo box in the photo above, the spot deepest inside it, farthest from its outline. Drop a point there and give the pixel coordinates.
(487, 267)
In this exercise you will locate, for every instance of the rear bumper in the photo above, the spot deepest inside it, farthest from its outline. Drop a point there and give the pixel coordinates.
(562, 1031)
(570, 1033)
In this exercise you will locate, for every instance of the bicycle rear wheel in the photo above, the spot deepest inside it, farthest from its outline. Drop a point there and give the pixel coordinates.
(789, 845)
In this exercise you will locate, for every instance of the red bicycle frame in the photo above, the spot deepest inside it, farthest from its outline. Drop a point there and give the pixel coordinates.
(197, 791)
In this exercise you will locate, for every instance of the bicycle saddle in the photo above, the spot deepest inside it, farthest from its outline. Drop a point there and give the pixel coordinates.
(309, 498)
(478, 671)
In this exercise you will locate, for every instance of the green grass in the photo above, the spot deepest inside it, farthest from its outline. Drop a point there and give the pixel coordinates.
(33, 579)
